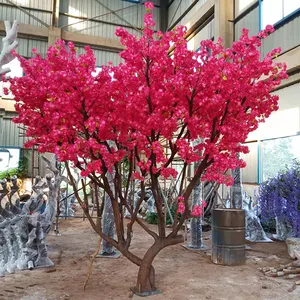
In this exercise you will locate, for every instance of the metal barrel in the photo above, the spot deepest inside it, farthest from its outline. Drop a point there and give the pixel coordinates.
(228, 237)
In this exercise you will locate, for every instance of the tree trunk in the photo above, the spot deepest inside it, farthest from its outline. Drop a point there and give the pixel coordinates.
(146, 276)
(145, 285)
(146, 280)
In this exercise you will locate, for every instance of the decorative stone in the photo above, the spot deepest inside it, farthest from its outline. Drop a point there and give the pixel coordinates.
(293, 247)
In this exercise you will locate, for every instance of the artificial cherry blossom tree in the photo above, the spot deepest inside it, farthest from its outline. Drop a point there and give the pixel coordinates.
(218, 95)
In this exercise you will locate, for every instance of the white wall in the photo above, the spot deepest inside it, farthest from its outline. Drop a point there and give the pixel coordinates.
(285, 121)
(242, 5)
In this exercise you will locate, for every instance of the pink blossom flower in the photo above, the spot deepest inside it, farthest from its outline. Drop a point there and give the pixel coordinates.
(180, 208)
(149, 5)
(145, 107)
(148, 20)
(270, 28)
(138, 176)
(168, 172)
(196, 211)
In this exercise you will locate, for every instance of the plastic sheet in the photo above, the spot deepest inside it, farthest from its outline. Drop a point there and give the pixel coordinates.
(108, 222)
(196, 238)
(283, 230)
(108, 226)
(66, 205)
(151, 204)
(254, 230)
(23, 231)
(147, 206)
(236, 189)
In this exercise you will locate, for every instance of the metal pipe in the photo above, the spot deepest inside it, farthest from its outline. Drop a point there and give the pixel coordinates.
(103, 5)
(166, 204)
(183, 15)
(32, 165)
(175, 11)
(84, 19)
(244, 13)
(75, 217)
(65, 198)
(28, 13)
(170, 3)
(93, 18)
(26, 7)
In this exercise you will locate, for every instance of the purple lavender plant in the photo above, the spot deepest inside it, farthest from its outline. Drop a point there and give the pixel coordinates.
(280, 197)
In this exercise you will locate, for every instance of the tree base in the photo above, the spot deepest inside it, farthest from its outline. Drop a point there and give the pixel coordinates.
(193, 248)
(56, 233)
(247, 247)
(145, 294)
(114, 254)
(44, 262)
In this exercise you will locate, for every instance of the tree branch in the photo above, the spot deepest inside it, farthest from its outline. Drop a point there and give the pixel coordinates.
(9, 43)
(202, 166)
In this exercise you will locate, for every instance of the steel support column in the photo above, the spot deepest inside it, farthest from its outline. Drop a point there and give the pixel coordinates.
(163, 15)
(55, 13)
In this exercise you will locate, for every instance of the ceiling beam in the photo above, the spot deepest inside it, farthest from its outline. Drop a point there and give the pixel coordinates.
(30, 30)
(39, 31)
(99, 41)
(118, 16)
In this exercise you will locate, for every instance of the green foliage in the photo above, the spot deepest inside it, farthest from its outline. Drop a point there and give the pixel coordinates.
(152, 218)
(269, 226)
(21, 171)
(23, 168)
(125, 165)
(8, 173)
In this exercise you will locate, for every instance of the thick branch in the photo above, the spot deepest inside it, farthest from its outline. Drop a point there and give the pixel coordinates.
(129, 176)
(115, 207)
(158, 203)
(225, 112)
(9, 43)
(135, 219)
(180, 192)
(97, 229)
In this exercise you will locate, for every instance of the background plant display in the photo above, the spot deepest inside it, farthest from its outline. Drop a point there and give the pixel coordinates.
(279, 197)
(280, 150)
(21, 171)
(216, 94)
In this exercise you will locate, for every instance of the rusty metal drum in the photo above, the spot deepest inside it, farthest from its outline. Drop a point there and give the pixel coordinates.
(228, 237)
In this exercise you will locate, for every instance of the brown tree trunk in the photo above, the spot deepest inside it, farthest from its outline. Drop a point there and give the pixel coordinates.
(146, 276)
